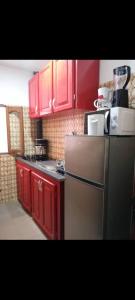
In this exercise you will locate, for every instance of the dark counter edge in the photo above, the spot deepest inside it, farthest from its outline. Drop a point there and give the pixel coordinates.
(44, 171)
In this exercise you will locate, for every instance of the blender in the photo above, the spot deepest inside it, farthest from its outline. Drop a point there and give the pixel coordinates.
(121, 79)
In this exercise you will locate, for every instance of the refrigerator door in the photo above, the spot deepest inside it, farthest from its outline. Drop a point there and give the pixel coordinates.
(87, 157)
(84, 209)
(119, 188)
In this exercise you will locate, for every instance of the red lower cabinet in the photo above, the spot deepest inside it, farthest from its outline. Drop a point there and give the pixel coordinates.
(49, 209)
(37, 201)
(26, 192)
(43, 197)
(19, 173)
(44, 206)
(23, 186)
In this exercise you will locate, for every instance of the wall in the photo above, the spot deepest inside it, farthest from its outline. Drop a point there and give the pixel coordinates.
(14, 92)
(14, 86)
(107, 66)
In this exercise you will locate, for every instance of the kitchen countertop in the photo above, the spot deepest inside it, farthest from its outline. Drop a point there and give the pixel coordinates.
(44, 167)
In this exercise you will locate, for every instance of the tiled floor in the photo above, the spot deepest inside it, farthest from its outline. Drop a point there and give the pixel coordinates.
(15, 224)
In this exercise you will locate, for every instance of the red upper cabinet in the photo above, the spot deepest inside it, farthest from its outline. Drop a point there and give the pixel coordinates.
(34, 97)
(63, 84)
(86, 83)
(45, 90)
(75, 84)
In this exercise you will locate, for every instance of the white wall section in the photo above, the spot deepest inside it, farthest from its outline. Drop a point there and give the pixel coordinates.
(3, 131)
(14, 86)
(107, 66)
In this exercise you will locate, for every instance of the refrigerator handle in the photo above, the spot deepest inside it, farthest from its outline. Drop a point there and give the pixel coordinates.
(106, 120)
(133, 191)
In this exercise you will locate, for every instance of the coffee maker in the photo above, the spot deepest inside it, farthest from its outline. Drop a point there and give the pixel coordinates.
(41, 144)
(41, 149)
(104, 99)
(121, 79)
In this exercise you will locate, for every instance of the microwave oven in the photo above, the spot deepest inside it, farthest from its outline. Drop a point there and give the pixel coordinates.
(115, 121)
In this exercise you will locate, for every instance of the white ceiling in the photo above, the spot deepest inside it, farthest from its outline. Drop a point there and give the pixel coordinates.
(29, 65)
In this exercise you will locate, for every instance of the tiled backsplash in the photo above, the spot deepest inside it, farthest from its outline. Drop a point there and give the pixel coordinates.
(14, 131)
(55, 128)
(29, 132)
(8, 190)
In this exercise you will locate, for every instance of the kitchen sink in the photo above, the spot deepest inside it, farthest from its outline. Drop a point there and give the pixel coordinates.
(49, 168)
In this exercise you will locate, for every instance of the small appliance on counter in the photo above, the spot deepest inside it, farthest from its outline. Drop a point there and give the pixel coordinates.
(60, 167)
(41, 144)
(121, 79)
(104, 100)
(41, 149)
(117, 121)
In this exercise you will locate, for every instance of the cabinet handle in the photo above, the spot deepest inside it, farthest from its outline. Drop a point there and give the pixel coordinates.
(21, 173)
(40, 186)
(36, 109)
(50, 104)
(54, 102)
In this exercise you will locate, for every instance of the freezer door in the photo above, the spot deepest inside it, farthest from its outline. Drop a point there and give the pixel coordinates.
(83, 209)
(86, 157)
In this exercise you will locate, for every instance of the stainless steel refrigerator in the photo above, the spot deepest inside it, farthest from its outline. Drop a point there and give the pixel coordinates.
(99, 187)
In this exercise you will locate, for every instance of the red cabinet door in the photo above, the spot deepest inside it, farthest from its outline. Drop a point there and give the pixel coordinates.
(37, 197)
(49, 209)
(63, 85)
(19, 174)
(34, 97)
(26, 189)
(45, 90)
(23, 186)
(44, 208)
(87, 83)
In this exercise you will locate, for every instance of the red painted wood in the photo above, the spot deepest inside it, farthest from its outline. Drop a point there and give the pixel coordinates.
(37, 205)
(60, 201)
(23, 186)
(20, 182)
(47, 201)
(26, 189)
(34, 97)
(49, 209)
(63, 85)
(45, 90)
(87, 83)
(44, 204)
